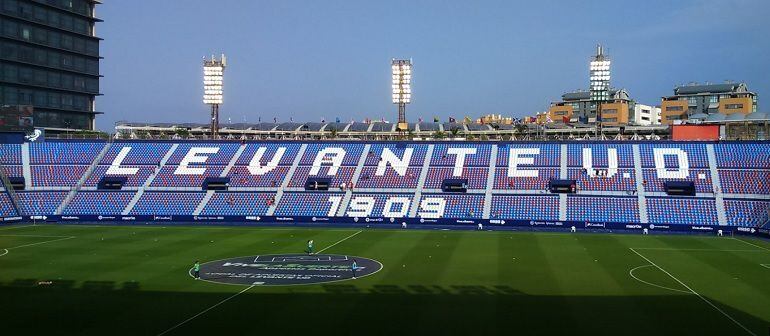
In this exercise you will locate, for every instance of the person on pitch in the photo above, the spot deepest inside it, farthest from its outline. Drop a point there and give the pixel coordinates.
(309, 247)
(353, 268)
(197, 270)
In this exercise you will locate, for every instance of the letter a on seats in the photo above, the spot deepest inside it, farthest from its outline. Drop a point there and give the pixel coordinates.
(333, 155)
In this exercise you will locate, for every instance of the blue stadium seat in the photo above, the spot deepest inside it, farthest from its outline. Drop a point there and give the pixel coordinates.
(237, 204)
(521, 207)
(98, 203)
(603, 209)
(167, 203)
(686, 211)
(6, 207)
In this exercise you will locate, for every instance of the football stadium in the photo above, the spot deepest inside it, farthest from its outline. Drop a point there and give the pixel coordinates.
(597, 215)
(478, 232)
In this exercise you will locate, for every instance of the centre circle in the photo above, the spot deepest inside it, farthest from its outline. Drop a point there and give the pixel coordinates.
(287, 269)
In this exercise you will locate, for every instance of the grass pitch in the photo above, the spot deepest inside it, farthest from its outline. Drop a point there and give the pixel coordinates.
(85, 280)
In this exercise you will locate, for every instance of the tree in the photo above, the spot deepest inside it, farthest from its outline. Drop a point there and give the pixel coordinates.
(333, 133)
(438, 135)
(182, 132)
(455, 131)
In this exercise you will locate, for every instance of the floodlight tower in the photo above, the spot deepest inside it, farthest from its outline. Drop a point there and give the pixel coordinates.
(402, 89)
(213, 83)
(600, 82)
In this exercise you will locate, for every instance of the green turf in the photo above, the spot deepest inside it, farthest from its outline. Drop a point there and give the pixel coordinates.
(134, 281)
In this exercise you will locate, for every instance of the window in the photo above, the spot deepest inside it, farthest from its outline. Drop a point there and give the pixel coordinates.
(53, 100)
(40, 77)
(713, 99)
(609, 119)
(54, 79)
(691, 100)
(733, 106)
(25, 75)
(646, 118)
(610, 111)
(40, 56)
(10, 73)
(41, 36)
(66, 61)
(674, 108)
(66, 42)
(66, 101)
(25, 33)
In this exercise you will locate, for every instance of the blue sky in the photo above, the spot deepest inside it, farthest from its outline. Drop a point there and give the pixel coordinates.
(326, 59)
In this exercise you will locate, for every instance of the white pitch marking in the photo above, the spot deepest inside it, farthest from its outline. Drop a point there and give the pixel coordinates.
(7, 250)
(206, 310)
(33, 236)
(15, 227)
(685, 249)
(696, 293)
(341, 240)
(765, 265)
(40, 243)
(752, 244)
(631, 273)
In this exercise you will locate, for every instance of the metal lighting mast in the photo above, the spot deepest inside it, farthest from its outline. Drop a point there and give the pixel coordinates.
(402, 89)
(213, 82)
(600, 83)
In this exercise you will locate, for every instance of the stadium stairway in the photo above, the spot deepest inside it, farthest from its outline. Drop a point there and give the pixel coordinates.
(354, 181)
(641, 194)
(149, 180)
(717, 186)
(421, 181)
(287, 180)
(26, 167)
(490, 183)
(83, 179)
(210, 193)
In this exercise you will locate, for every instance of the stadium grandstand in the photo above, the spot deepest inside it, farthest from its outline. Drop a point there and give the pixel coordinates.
(634, 185)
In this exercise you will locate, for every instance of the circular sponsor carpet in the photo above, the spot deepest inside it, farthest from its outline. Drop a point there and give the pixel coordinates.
(287, 269)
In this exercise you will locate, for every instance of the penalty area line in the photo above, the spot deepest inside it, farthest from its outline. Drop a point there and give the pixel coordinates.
(696, 293)
(40, 243)
(15, 227)
(752, 244)
(8, 249)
